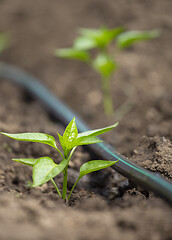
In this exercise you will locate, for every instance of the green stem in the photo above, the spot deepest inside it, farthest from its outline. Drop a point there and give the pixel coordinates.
(121, 111)
(65, 174)
(64, 182)
(72, 151)
(72, 189)
(107, 100)
(56, 187)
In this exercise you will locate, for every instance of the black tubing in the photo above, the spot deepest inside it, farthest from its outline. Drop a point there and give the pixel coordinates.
(134, 173)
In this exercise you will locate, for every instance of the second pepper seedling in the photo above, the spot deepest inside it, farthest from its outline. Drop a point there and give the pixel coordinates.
(104, 62)
(45, 169)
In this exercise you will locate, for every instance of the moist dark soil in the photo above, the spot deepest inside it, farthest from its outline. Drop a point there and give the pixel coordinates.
(104, 205)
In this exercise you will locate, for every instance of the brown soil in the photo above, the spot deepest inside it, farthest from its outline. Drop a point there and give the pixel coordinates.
(104, 205)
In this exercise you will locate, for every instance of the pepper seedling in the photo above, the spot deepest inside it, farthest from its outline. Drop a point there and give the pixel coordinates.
(103, 63)
(45, 169)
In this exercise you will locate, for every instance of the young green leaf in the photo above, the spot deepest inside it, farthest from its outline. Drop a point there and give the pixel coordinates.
(71, 132)
(96, 132)
(90, 32)
(126, 39)
(93, 166)
(33, 137)
(62, 143)
(107, 35)
(45, 169)
(87, 140)
(89, 167)
(96, 37)
(72, 53)
(84, 43)
(88, 137)
(26, 161)
(104, 65)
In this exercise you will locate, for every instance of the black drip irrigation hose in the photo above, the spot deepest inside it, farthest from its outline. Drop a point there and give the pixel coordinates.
(134, 173)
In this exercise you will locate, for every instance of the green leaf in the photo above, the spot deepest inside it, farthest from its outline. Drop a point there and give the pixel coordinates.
(72, 53)
(128, 38)
(45, 169)
(96, 37)
(90, 32)
(96, 132)
(33, 137)
(104, 65)
(70, 134)
(84, 43)
(87, 140)
(62, 143)
(4, 41)
(88, 137)
(93, 166)
(26, 161)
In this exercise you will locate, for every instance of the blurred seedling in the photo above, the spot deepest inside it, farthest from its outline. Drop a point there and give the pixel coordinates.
(45, 169)
(103, 62)
(7, 147)
(4, 41)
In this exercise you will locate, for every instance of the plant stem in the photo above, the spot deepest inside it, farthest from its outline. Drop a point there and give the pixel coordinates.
(72, 151)
(65, 174)
(72, 189)
(64, 183)
(107, 100)
(56, 187)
